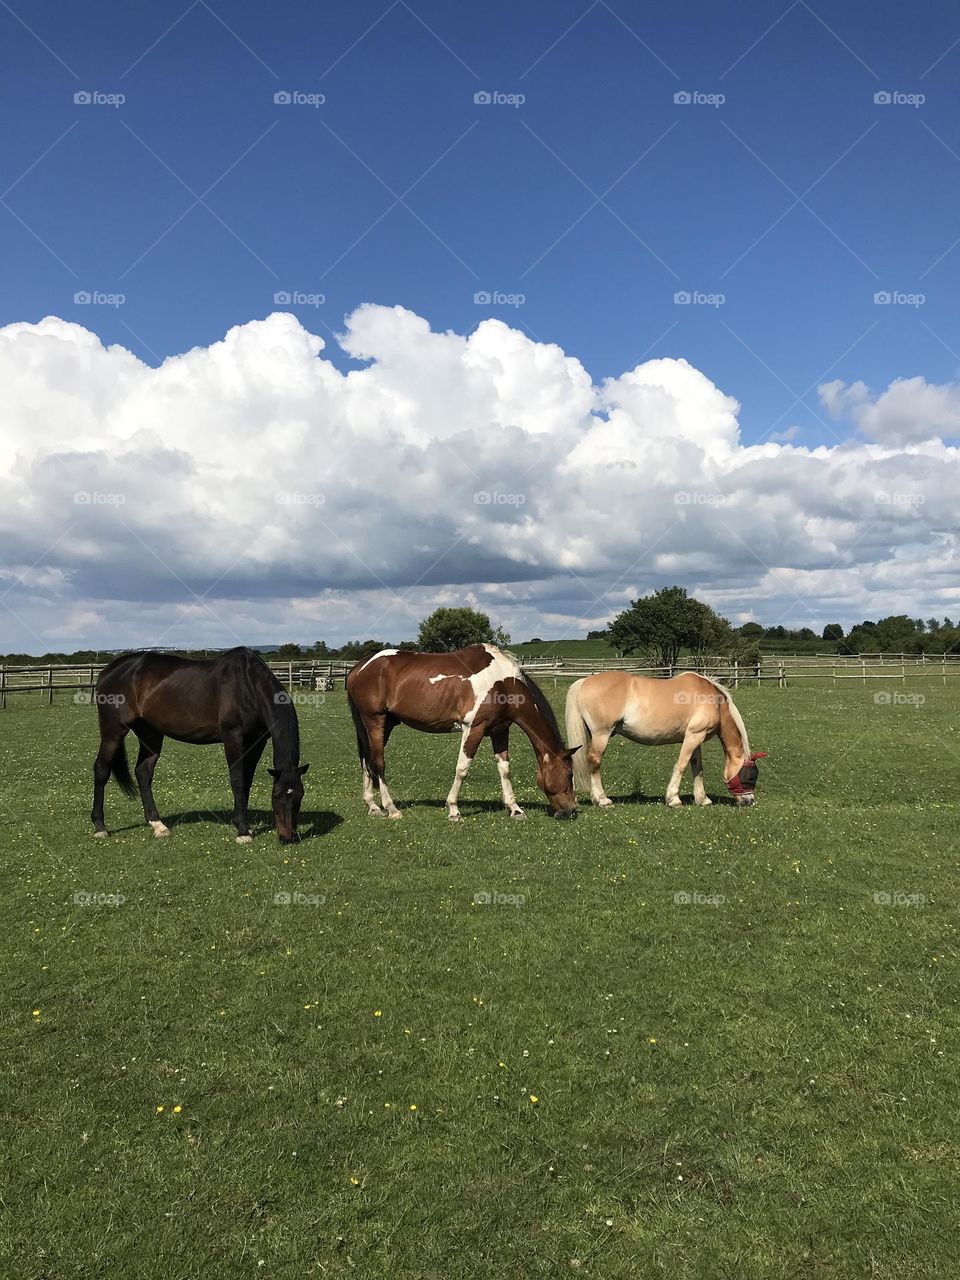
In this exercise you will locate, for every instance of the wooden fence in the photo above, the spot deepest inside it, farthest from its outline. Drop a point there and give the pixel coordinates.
(44, 682)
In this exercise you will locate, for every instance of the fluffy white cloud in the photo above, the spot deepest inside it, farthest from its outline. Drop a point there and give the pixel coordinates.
(251, 490)
(910, 410)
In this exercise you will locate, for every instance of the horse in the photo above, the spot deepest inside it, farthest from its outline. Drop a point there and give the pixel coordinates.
(689, 709)
(234, 698)
(480, 691)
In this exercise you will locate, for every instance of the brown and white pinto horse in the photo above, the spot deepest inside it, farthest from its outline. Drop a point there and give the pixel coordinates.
(480, 691)
(689, 709)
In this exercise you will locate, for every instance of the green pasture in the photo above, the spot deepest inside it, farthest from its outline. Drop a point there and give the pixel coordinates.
(691, 1044)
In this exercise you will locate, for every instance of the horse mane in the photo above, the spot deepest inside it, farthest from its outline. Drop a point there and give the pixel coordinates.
(282, 717)
(539, 699)
(734, 713)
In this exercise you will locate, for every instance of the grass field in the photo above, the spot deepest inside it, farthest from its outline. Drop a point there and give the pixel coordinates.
(386, 1079)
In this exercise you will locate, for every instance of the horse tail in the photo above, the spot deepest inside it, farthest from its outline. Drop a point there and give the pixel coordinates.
(363, 740)
(578, 735)
(120, 769)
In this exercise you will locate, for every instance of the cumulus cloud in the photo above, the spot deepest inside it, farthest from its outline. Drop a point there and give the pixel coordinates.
(910, 410)
(251, 490)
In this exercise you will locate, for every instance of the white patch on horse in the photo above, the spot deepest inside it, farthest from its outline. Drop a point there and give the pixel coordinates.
(437, 679)
(384, 653)
(502, 667)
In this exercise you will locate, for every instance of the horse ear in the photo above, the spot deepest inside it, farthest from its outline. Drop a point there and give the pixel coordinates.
(572, 751)
(303, 769)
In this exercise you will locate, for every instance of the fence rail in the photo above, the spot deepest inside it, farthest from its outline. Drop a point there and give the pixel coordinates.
(44, 682)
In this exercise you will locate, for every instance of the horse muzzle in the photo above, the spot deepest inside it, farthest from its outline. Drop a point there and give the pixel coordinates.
(565, 813)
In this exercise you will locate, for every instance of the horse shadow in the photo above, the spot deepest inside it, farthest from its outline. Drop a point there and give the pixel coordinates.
(313, 822)
(635, 797)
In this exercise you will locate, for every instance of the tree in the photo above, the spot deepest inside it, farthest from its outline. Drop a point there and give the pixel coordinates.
(751, 630)
(288, 651)
(447, 629)
(832, 631)
(662, 624)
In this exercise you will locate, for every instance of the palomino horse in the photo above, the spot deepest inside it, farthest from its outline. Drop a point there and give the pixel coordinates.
(480, 691)
(688, 709)
(234, 699)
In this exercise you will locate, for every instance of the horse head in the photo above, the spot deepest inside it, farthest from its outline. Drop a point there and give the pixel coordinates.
(743, 784)
(287, 798)
(555, 780)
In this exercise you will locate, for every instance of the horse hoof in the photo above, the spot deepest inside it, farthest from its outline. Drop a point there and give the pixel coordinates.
(704, 802)
(160, 829)
(675, 803)
(519, 816)
(604, 803)
(375, 813)
(395, 814)
(454, 817)
(100, 835)
(244, 839)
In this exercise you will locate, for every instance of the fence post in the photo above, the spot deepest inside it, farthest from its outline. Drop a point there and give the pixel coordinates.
(863, 670)
(3, 686)
(49, 686)
(736, 674)
(782, 679)
(758, 672)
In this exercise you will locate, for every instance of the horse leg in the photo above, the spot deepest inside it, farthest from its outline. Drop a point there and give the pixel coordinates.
(110, 740)
(699, 791)
(500, 742)
(469, 743)
(378, 731)
(595, 749)
(233, 749)
(690, 744)
(253, 749)
(151, 743)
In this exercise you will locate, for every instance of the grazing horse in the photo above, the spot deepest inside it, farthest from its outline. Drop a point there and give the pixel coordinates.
(479, 691)
(234, 699)
(688, 709)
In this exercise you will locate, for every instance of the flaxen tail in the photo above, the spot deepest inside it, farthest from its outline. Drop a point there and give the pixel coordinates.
(578, 735)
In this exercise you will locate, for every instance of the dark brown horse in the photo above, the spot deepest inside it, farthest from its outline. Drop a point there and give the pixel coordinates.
(480, 691)
(234, 699)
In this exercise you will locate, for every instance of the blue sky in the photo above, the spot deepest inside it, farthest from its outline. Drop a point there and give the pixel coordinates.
(711, 198)
(188, 164)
